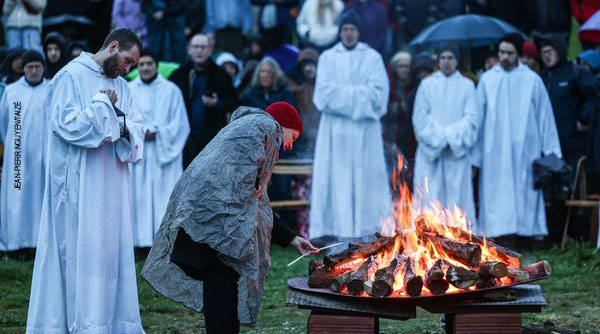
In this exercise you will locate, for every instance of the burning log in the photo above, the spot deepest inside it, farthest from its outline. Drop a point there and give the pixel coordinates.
(461, 277)
(485, 282)
(538, 269)
(493, 269)
(384, 279)
(517, 275)
(321, 277)
(434, 279)
(313, 265)
(466, 253)
(413, 283)
(368, 288)
(357, 251)
(358, 278)
(338, 283)
(505, 255)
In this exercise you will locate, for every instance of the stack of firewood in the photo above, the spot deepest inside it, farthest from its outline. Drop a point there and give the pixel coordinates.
(355, 269)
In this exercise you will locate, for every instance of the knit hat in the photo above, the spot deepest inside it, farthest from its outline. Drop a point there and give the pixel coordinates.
(286, 115)
(529, 49)
(350, 17)
(450, 47)
(31, 56)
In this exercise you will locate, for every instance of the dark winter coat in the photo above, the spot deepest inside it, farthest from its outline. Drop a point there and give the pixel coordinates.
(218, 81)
(257, 97)
(411, 17)
(551, 16)
(572, 91)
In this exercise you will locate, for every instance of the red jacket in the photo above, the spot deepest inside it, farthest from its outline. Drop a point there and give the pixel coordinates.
(584, 9)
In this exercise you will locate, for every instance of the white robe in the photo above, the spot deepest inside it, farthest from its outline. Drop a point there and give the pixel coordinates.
(518, 127)
(84, 279)
(23, 129)
(446, 123)
(350, 190)
(153, 178)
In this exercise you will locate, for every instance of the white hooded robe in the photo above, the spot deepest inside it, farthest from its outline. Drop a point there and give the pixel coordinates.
(153, 178)
(350, 189)
(518, 127)
(84, 279)
(23, 130)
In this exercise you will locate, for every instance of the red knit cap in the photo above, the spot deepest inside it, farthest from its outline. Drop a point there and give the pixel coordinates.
(286, 115)
(529, 49)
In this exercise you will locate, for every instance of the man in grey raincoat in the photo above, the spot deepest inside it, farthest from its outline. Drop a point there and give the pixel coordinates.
(211, 252)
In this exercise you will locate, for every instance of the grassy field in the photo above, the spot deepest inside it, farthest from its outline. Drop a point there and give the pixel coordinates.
(573, 294)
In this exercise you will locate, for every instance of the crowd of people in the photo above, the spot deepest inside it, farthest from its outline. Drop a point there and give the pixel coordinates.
(96, 156)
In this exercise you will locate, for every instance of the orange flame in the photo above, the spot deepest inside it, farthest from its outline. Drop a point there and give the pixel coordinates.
(412, 215)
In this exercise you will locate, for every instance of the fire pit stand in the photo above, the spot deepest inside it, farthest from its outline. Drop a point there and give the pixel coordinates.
(331, 313)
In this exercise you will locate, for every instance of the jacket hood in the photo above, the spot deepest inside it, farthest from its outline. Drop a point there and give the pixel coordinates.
(85, 59)
(57, 38)
(557, 42)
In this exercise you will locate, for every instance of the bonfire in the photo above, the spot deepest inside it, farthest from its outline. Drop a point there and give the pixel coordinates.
(422, 250)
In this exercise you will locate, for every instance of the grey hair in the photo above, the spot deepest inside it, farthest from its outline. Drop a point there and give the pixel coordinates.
(278, 74)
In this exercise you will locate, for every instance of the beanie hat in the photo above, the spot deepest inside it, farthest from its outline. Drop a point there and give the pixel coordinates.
(286, 115)
(31, 56)
(450, 47)
(529, 49)
(350, 17)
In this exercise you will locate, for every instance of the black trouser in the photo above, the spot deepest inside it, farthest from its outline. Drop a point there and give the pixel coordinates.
(200, 262)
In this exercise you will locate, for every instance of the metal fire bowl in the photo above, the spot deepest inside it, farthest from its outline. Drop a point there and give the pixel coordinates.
(301, 284)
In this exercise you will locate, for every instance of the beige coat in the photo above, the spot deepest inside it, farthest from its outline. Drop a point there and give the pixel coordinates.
(19, 17)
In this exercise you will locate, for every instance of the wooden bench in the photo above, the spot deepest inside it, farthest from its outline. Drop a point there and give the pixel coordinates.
(292, 167)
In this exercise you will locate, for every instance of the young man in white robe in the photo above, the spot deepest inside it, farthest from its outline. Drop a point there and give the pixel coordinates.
(518, 127)
(446, 123)
(23, 130)
(153, 178)
(84, 278)
(350, 192)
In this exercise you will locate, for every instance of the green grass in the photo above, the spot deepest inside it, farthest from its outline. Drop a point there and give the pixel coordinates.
(573, 294)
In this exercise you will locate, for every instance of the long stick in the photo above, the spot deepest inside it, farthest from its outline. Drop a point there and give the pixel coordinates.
(318, 250)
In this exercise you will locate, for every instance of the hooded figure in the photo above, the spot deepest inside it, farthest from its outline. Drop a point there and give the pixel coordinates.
(227, 58)
(12, 72)
(572, 91)
(211, 252)
(52, 40)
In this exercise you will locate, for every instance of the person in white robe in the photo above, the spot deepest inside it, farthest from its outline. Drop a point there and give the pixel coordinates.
(518, 127)
(446, 123)
(84, 279)
(350, 193)
(23, 129)
(153, 178)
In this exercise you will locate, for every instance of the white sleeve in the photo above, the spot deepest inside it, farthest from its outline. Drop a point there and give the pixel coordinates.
(173, 131)
(132, 149)
(355, 101)
(430, 134)
(546, 123)
(87, 127)
(463, 134)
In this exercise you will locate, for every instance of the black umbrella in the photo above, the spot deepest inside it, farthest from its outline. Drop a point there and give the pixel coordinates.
(468, 31)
